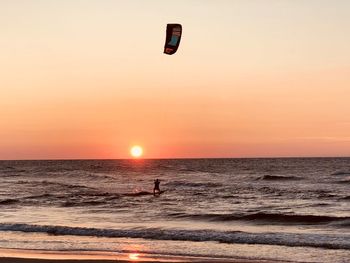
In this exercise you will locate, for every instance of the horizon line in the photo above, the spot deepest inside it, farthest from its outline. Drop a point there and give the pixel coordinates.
(175, 158)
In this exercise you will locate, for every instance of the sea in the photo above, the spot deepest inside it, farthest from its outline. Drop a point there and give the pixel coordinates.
(286, 209)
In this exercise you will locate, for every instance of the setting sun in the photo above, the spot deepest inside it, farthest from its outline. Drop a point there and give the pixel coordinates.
(136, 151)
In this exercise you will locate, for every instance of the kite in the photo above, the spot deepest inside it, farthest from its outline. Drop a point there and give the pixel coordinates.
(173, 37)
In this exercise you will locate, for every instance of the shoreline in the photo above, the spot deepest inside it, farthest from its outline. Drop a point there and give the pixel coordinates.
(8, 255)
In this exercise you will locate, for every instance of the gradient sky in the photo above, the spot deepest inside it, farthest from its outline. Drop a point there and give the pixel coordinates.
(88, 79)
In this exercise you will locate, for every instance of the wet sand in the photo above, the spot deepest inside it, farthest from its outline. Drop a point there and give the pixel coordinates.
(33, 256)
(32, 260)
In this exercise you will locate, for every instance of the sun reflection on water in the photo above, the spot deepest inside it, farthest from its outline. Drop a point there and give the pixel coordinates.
(134, 256)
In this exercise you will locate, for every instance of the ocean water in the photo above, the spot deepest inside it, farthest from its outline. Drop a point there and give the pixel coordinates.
(291, 209)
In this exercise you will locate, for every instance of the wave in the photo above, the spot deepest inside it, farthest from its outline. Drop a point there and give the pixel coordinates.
(345, 223)
(230, 237)
(57, 185)
(10, 171)
(278, 177)
(345, 181)
(90, 199)
(83, 203)
(267, 217)
(141, 193)
(187, 170)
(324, 194)
(8, 201)
(28, 199)
(38, 196)
(192, 184)
(63, 185)
(341, 173)
(64, 200)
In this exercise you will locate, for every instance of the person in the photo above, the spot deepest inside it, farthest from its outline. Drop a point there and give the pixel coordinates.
(156, 187)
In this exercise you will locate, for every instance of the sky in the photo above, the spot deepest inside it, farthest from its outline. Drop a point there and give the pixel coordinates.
(88, 79)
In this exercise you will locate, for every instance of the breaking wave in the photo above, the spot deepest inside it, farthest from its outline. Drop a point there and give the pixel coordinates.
(229, 237)
(267, 217)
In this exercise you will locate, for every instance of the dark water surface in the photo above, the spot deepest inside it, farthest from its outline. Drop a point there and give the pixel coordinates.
(295, 209)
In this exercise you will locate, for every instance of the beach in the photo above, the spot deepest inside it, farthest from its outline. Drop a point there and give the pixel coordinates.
(32, 256)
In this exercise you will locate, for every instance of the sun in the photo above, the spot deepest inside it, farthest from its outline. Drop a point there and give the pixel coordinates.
(136, 151)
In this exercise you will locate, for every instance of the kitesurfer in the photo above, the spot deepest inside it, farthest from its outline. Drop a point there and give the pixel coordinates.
(156, 187)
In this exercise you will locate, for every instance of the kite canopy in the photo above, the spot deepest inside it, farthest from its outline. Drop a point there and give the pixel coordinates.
(173, 37)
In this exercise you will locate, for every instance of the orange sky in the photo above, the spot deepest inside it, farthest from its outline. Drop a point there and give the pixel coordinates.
(88, 79)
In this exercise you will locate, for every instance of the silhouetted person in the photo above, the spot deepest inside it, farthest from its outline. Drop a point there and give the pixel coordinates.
(156, 187)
